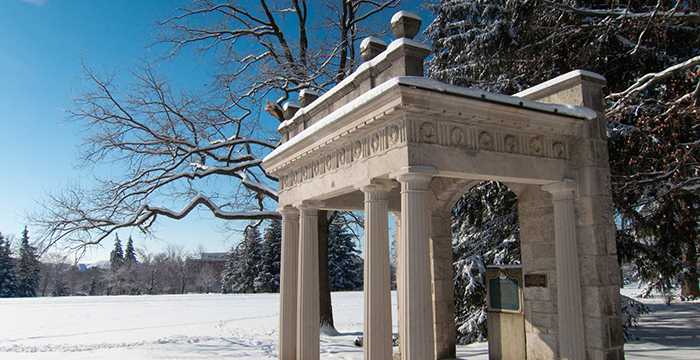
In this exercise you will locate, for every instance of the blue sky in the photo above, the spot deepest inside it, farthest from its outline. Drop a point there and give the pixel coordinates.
(41, 44)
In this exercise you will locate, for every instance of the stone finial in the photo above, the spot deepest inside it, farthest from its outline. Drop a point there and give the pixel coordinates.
(371, 47)
(290, 109)
(307, 96)
(405, 24)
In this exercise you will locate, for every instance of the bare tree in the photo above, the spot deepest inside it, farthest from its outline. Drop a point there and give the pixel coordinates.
(176, 149)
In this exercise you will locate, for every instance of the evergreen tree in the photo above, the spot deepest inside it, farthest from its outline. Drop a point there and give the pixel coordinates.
(244, 263)
(92, 290)
(345, 266)
(8, 281)
(27, 268)
(268, 280)
(485, 232)
(116, 257)
(129, 253)
(465, 30)
(60, 286)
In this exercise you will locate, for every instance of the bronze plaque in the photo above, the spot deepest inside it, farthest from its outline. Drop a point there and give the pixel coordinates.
(536, 280)
(504, 293)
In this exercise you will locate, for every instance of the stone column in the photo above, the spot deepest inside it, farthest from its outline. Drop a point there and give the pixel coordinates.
(569, 305)
(443, 285)
(377, 326)
(308, 318)
(397, 241)
(288, 283)
(415, 295)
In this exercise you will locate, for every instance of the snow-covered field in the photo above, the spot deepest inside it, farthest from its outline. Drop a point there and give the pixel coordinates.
(242, 326)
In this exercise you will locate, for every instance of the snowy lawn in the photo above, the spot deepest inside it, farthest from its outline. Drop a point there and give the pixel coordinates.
(242, 326)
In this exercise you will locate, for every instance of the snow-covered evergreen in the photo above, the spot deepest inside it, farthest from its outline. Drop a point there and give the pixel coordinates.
(465, 31)
(60, 286)
(268, 279)
(484, 232)
(129, 253)
(244, 264)
(8, 281)
(27, 268)
(116, 257)
(345, 266)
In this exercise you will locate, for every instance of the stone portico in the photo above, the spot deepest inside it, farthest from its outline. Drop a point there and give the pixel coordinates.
(387, 140)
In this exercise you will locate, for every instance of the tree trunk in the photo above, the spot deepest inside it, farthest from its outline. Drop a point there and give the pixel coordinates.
(324, 281)
(690, 288)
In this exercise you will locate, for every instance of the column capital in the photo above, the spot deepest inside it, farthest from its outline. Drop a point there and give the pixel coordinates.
(415, 177)
(376, 185)
(308, 205)
(415, 170)
(287, 210)
(561, 191)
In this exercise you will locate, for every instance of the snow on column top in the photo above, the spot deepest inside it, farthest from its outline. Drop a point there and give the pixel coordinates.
(370, 47)
(405, 13)
(371, 39)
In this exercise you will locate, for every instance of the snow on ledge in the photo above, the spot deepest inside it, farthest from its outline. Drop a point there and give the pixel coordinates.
(559, 79)
(581, 112)
(308, 91)
(434, 85)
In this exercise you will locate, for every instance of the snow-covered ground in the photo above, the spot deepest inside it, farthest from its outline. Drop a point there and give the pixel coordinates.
(243, 326)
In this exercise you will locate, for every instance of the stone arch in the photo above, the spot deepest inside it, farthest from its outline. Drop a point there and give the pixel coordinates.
(444, 195)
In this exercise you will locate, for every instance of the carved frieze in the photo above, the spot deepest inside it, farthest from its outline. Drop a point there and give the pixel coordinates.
(367, 142)
(344, 152)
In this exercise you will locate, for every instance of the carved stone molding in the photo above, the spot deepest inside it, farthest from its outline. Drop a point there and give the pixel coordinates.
(511, 144)
(457, 137)
(485, 141)
(536, 146)
(427, 132)
(342, 153)
(364, 143)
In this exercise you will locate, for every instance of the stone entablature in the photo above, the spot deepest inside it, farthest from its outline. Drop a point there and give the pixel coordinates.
(483, 122)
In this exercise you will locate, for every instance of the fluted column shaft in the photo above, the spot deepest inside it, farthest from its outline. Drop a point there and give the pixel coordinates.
(415, 295)
(569, 305)
(377, 285)
(397, 237)
(308, 318)
(288, 283)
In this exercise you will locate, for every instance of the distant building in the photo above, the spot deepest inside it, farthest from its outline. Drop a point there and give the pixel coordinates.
(213, 257)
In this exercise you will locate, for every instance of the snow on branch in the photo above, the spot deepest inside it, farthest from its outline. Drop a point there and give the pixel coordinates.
(205, 201)
(648, 80)
(625, 13)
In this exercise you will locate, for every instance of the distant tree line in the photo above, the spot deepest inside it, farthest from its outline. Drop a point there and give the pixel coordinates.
(253, 266)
